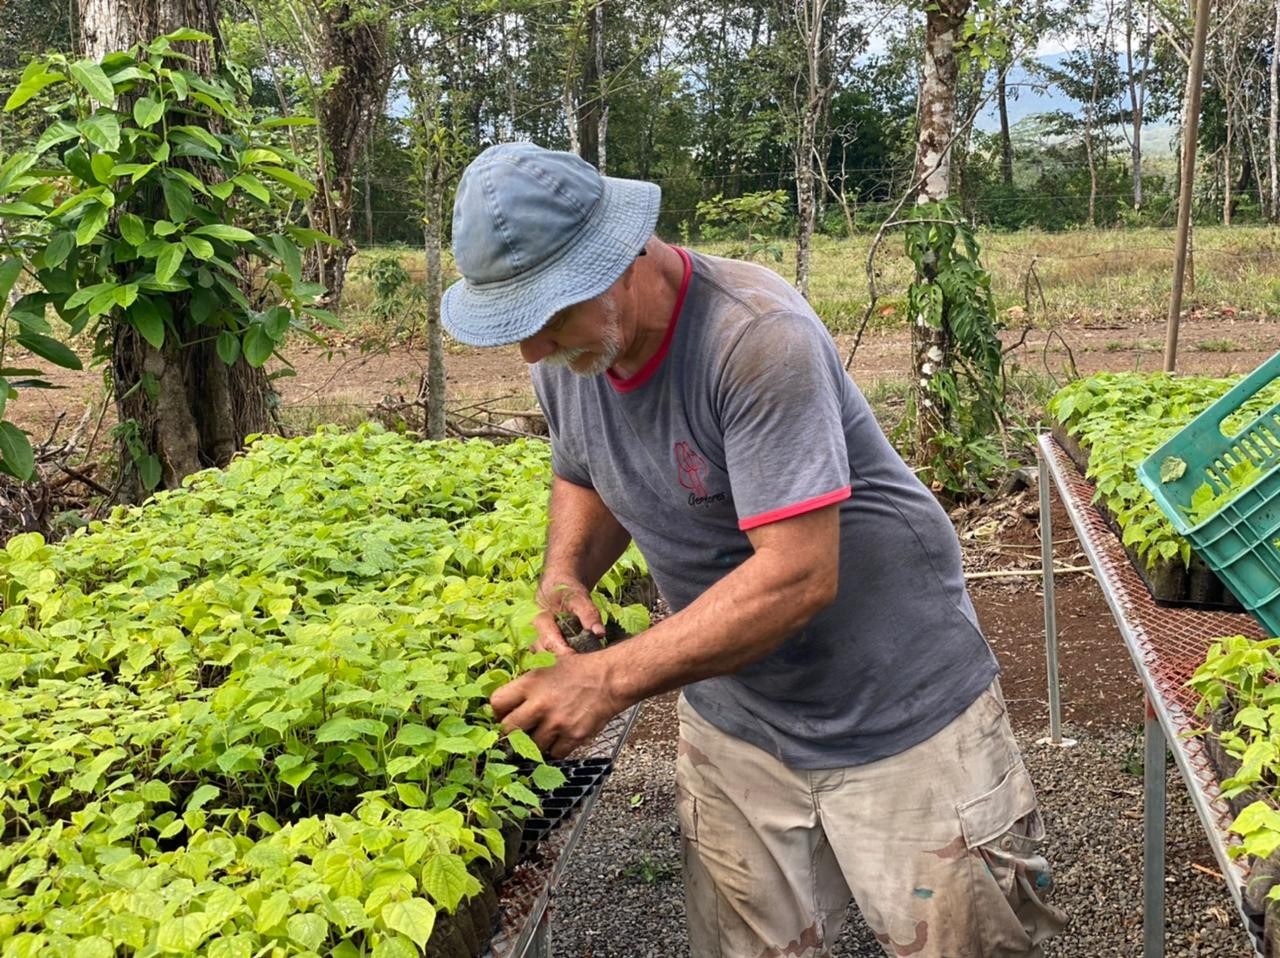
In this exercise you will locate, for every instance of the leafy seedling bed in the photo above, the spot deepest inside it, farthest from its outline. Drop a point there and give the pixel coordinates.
(1108, 424)
(252, 716)
(1171, 582)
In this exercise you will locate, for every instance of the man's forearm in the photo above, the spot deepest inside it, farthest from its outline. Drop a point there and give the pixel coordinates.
(740, 619)
(584, 539)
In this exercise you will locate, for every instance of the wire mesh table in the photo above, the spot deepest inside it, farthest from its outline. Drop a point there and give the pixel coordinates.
(1166, 646)
(526, 892)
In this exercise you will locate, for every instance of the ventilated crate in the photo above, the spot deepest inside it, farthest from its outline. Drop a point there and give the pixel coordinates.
(1238, 540)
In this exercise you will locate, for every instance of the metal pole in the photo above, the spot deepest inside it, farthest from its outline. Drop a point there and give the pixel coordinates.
(1153, 788)
(1050, 606)
(1190, 134)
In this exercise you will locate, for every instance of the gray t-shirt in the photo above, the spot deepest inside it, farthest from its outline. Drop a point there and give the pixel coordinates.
(746, 416)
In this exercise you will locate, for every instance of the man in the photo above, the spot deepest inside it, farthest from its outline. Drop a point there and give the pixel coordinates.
(841, 727)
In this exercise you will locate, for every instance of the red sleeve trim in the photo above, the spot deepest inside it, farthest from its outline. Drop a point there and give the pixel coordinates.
(798, 509)
(648, 369)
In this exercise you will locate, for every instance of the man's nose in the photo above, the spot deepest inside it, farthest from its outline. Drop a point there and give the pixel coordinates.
(536, 348)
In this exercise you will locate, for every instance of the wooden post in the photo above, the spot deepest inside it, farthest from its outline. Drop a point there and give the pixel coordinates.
(1190, 136)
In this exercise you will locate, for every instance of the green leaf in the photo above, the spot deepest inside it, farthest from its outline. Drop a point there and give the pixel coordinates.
(60, 246)
(147, 111)
(48, 348)
(308, 930)
(296, 184)
(58, 132)
(200, 248)
(103, 167)
(133, 229)
(278, 121)
(228, 346)
(169, 261)
(103, 131)
(548, 777)
(524, 746)
(253, 186)
(188, 35)
(446, 879)
(257, 348)
(90, 76)
(177, 198)
(342, 728)
(273, 912)
(182, 934)
(221, 231)
(150, 471)
(16, 456)
(147, 320)
(28, 88)
(1172, 469)
(289, 255)
(414, 918)
(91, 224)
(201, 797)
(10, 270)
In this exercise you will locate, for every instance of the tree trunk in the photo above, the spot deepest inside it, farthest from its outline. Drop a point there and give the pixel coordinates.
(589, 106)
(602, 100)
(930, 344)
(358, 49)
(1006, 140)
(938, 99)
(1273, 122)
(1136, 104)
(1093, 174)
(431, 390)
(1226, 174)
(810, 17)
(368, 197)
(180, 403)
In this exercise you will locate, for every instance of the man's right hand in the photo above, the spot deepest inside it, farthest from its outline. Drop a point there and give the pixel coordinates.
(560, 596)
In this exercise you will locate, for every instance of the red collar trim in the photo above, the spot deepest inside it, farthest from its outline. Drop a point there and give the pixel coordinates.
(648, 369)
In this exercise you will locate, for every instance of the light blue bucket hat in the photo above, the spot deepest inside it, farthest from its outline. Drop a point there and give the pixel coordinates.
(534, 231)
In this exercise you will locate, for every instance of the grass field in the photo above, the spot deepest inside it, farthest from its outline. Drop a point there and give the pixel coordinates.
(1082, 274)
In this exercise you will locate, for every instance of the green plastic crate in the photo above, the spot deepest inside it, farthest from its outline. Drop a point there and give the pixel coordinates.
(1238, 541)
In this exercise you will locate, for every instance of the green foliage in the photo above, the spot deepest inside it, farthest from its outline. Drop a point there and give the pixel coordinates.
(1121, 418)
(1241, 676)
(253, 714)
(965, 379)
(753, 219)
(121, 213)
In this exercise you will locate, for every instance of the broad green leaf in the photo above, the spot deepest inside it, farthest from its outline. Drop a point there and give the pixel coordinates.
(289, 255)
(91, 78)
(103, 168)
(221, 231)
(177, 198)
(10, 270)
(147, 320)
(16, 456)
(200, 248)
(169, 261)
(548, 777)
(253, 186)
(188, 35)
(201, 797)
(294, 777)
(77, 160)
(414, 918)
(91, 224)
(273, 912)
(60, 246)
(344, 729)
(1172, 469)
(524, 746)
(56, 133)
(49, 348)
(308, 930)
(257, 347)
(150, 471)
(102, 130)
(133, 229)
(28, 88)
(182, 934)
(147, 111)
(278, 121)
(446, 879)
(300, 187)
(228, 346)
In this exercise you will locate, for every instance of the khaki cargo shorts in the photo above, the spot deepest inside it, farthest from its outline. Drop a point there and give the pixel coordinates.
(939, 846)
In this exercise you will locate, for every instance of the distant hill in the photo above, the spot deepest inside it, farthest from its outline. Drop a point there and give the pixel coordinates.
(1030, 95)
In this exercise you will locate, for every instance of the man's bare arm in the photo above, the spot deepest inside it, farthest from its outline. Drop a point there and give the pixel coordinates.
(791, 576)
(584, 540)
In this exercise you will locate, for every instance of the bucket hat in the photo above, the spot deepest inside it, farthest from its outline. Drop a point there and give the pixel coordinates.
(534, 231)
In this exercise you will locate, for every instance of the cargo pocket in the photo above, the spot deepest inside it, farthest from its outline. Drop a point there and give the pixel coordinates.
(1004, 832)
(687, 813)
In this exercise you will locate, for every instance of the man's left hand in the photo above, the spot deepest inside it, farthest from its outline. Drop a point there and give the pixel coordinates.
(562, 706)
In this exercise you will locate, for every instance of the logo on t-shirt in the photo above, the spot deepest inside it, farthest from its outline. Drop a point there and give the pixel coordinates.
(691, 468)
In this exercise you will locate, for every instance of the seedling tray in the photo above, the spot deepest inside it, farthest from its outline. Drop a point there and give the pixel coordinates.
(584, 776)
(1237, 540)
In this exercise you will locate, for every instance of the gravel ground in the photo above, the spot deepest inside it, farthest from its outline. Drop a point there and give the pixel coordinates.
(621, 893)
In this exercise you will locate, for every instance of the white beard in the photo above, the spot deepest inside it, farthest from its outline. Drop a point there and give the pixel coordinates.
(610, 344)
